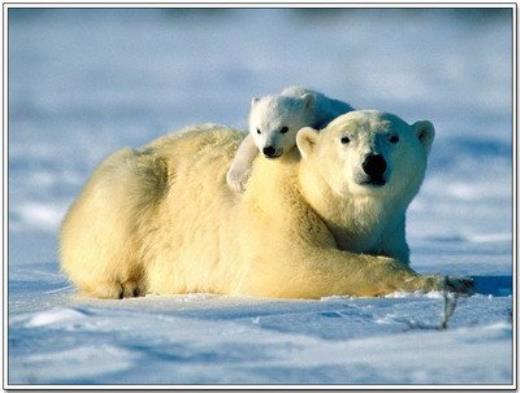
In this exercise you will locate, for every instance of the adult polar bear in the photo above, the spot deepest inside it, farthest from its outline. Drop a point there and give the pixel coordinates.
(162, 219)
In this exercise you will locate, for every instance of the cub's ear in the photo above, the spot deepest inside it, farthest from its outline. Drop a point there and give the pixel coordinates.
(308, 101)
(254, 100)
(306, 140)
(425, 132)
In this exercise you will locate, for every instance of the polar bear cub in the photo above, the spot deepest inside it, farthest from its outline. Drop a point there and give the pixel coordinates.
(274, 121)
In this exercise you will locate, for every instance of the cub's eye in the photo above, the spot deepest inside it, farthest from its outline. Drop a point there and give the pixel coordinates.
(283, 130)
(258, 131)
(345, 139)
(394, 139)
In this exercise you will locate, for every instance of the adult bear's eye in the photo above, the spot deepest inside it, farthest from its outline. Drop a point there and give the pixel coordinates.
(394, 139)
(258, 131)
(283, 130)
(345, 139)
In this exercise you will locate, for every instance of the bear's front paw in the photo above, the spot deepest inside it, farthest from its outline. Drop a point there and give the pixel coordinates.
(237, 180)
(462, 285)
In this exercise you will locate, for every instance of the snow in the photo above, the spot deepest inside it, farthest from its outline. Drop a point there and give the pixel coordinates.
(52, 316)
(85, 83)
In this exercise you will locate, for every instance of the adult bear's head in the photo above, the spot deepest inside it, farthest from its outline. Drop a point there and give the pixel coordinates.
(368, 153)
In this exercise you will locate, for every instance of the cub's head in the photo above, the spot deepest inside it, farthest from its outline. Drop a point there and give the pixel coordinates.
(369, 153)
(275, 120)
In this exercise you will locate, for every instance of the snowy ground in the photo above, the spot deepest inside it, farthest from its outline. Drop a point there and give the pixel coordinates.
(84, 83)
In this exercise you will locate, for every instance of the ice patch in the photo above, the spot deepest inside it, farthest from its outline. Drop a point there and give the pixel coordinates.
(388, 319)
(427, 295)
(467, 192)
(499, 325)
(187, 298)
(195, 297)
(36, 215)
(53, 316)
(335, 298)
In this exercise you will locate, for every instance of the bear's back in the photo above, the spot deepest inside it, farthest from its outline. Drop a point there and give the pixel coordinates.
(191, 152)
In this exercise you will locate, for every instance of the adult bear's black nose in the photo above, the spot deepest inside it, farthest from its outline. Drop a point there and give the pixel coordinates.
(374, 166)
(269, 151)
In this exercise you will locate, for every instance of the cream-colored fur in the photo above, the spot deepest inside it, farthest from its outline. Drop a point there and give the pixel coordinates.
(162, 219)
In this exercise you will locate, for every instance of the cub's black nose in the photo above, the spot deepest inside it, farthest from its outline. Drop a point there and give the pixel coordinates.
(269, 151)
(374, 165)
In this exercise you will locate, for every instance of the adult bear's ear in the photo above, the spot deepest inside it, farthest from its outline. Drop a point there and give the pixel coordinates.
(254, 100)
(306, 140)
(308, 101)
(425, 132)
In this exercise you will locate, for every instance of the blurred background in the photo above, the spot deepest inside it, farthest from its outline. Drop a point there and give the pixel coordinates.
(85, 82)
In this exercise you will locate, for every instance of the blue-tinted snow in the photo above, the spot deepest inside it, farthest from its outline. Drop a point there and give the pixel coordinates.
(84, 83)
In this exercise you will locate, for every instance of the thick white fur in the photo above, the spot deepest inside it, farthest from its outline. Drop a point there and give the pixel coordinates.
(162, 219)
(295, 107)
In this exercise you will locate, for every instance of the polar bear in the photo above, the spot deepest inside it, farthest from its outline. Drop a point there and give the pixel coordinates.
(273, 123)
(328, 221)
